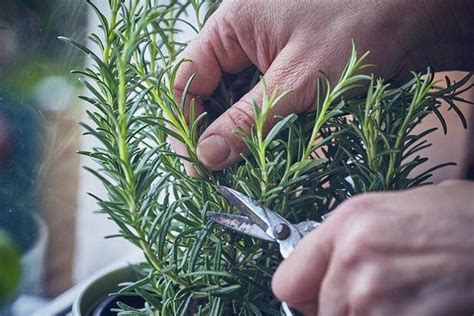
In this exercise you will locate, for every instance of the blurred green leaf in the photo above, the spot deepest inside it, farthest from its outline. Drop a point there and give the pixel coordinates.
(10, 268)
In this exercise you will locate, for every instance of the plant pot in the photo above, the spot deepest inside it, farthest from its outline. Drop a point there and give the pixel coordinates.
(33, 262)
(95, 297)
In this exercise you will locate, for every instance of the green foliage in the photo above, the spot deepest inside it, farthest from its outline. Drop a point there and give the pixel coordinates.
(303, 168)
(10, 268)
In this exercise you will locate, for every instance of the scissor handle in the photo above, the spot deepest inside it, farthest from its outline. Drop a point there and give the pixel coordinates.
(286, 248)
(292, 236)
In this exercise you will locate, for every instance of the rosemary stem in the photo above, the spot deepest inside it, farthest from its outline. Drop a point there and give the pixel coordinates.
(155, 262)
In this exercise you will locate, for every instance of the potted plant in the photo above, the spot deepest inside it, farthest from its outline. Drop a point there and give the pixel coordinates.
(303, 168)
(98, 296)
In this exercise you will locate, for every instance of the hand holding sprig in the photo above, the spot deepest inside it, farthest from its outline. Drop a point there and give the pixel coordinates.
(291, 41)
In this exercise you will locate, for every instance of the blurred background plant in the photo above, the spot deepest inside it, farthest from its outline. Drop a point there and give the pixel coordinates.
(37, 133)
(32, 58)
(10, 268)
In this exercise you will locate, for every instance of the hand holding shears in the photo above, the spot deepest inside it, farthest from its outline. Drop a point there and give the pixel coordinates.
(261, 222)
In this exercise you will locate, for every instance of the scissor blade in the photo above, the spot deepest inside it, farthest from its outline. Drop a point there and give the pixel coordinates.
(241, 224)
(246, 205)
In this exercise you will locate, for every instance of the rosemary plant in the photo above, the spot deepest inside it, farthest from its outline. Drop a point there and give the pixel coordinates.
(303, 168)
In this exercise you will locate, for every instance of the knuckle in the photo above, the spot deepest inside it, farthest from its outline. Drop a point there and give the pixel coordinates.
(368, 287)
(234, 12)
(357, 249)
(288, 73)
(289, 70)
(224, 29)
(222, 38)
(358, 243)
(360, 204)
(220, 32)
(240, 118)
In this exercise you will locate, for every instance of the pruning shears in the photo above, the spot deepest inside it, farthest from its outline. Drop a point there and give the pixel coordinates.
(261, 222)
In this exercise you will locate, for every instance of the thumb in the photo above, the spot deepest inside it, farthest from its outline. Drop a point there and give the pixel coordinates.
(221, 144)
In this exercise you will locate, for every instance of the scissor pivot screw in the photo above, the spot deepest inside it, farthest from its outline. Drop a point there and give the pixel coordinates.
(281, 231)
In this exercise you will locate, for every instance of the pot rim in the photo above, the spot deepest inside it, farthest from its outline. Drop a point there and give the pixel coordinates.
(116, 273)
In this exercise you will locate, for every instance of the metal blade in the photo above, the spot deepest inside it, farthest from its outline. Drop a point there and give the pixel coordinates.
(274, 225)
(246, 205)
(241, 224)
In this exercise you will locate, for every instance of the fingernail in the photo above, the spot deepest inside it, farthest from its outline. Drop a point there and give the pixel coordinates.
(213, 150)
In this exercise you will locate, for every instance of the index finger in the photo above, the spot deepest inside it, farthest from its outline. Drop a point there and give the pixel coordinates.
(298, 278)
(215, 50)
